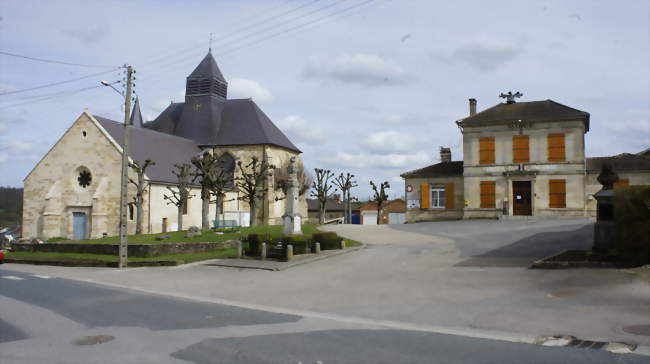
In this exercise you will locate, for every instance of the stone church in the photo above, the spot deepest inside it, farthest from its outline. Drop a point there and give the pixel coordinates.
(74, 190)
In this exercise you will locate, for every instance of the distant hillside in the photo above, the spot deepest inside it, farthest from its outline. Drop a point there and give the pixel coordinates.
(11, 206)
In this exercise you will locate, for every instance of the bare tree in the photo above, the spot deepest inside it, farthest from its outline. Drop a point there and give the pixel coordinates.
(221, 180)
(204, 164)
(380, 197)
(321, 190)
(181, 195)
(251, 183)
(140, 189)
(346, 182)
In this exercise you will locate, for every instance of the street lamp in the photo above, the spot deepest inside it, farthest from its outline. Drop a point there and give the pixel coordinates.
(125, 158)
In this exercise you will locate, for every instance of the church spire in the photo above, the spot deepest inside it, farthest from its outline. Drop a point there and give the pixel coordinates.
(136, 115)
(207, 80)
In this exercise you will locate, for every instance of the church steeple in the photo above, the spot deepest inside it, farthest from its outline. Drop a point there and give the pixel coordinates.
(206, 80)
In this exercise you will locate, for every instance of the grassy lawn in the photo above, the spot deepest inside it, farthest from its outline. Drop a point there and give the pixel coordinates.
(175, 237)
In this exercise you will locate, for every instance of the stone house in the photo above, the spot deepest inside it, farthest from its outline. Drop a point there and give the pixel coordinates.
(392, 212)
(74, 190)
(519, 159)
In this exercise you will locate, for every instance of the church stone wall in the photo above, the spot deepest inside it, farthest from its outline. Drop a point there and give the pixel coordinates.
(53, 193)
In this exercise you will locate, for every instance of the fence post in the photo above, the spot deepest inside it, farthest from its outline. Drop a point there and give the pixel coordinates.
(240, 248)
(263, 253)
(289, 252)
(317, 248)
(342, 244)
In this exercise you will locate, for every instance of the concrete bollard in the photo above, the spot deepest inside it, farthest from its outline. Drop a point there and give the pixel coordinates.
(342, 244)
(317, 248)
(289, 252)
(240, 249)
(263, 252)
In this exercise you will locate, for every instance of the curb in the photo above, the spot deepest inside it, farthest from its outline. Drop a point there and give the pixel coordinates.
(94, 263)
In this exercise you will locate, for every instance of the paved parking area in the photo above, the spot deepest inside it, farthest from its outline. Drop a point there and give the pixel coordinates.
(466, 275)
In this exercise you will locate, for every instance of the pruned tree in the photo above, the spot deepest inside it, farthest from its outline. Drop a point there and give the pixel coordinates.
(321, 190)
(221, 180)
(380, 196)
(204, 164)
(181, 194)
(251, 183)
(345, 183)
(140, 189)
(281, 176)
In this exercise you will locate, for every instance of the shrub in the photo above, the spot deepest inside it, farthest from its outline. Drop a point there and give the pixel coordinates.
(632, 224)
(328, 240)
(301, 245)
(255, 241)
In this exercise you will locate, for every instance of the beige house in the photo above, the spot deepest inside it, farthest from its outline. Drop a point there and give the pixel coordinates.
(74, 190)
(519, 159)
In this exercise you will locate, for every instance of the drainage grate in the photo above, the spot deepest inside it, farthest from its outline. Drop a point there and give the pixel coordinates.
(570, 341)
(92, 340)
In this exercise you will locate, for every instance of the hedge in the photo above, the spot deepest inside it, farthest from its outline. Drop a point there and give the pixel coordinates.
(328, 240)
(255, 243)
(632, 224)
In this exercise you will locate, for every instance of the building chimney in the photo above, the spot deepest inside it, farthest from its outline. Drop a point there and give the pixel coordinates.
(472, 107)
(445, 154)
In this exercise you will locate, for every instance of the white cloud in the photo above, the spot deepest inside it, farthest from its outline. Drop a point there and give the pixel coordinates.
(89, 34)
(363, 69)
(392, 142)
(244, 88)
(300, 131)
(18, 146)
(486, 55)
(391, 160)
(3, 157)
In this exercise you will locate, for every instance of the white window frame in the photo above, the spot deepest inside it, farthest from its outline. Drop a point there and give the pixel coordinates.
(435, 202)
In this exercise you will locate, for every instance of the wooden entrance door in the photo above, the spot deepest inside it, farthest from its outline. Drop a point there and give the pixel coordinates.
(521, 198)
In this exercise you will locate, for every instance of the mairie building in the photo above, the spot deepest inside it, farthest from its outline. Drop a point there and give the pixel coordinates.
(74, 190)
(519, 159)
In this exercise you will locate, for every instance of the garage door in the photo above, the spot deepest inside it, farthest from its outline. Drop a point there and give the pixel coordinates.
(369, 218)
(396, 218)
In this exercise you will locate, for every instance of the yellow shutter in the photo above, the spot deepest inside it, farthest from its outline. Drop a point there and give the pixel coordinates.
(449, 195)
(520, 149)
(556, 150)
(488, 194)
(622, 183)
(425, 196)
(486, 150)
(557, 193)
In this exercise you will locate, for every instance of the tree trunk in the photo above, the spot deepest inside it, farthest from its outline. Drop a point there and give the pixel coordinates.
(205, 210)
(252, 218)
(180, 217)
(138, 217)
(378, 215)
(321, 216)
(217, 210)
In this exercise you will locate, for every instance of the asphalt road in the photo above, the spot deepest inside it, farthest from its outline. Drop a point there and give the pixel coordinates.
(45, 319)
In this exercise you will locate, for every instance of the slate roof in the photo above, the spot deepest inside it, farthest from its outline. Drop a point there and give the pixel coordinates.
(538, 111)
(207, 68)
(441, 169)
(221, 123)
(164, 149)
(620, 163)
(330, 205)
(644, 153)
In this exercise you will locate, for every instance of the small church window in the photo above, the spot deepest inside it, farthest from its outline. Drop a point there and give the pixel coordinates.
(130, 211)
(84, 178)
(84, 133)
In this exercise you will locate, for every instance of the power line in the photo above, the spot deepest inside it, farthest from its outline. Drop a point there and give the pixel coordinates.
(52, 96)
(57, 83)
(55, 62)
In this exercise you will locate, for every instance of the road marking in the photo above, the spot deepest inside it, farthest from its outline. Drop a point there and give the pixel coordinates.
(41, 276)
(13, 278)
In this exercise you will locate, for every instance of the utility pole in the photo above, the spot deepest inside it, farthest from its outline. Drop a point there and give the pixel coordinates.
(125, 165)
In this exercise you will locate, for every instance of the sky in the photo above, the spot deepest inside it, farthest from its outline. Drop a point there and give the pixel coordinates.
(371, 87)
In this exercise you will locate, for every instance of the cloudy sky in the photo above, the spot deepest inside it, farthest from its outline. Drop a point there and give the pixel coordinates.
(367, 86)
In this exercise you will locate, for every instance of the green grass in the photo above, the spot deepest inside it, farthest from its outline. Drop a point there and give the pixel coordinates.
(185, 257)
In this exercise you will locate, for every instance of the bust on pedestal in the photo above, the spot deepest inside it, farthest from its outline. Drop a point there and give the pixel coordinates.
(291, 217)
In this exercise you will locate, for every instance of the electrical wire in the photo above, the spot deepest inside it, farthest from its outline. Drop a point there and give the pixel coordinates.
(55, 62)
(52, 96)
(57, 83)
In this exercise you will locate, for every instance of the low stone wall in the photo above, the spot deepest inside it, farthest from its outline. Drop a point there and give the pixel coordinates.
(135, 250)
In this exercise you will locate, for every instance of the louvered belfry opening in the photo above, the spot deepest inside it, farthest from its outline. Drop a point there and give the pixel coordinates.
(206, 87)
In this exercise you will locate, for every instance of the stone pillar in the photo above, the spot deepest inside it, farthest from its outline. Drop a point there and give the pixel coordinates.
(291, 217)
(239, 249)
(289, 252)
(263, 252)
(317, 248)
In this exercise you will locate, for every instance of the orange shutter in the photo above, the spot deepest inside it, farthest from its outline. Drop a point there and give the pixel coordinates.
(557, 193)
(622, 183)
(520, 149)
(486, 150)
(449, 195)
(488, 194)
(425, 196)
(556, 151)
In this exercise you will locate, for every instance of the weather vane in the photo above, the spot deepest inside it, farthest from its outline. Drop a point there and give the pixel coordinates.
(210, 48)
(510, 97)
